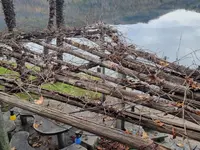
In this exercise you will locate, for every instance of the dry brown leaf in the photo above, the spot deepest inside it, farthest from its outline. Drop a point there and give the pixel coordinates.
(37, 144)
(127, 132)
(195, 85)
(99, 148)
(181, 145)
(127, 148)
(173, 133)
(35, 125)
(163, 63)
(179, 104)
(158, 123)
(198, 112)
(189, 80)
(39, 101)
(144, 135)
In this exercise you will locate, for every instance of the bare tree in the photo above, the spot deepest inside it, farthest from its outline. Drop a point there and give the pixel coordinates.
(8, 9)
(52, 11)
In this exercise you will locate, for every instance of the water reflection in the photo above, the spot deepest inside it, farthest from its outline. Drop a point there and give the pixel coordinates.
(174, 34)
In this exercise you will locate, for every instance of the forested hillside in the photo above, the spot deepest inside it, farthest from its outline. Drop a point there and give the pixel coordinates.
(33, 14)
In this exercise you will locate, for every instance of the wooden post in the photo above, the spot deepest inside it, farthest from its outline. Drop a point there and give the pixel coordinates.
(60, 24)
(4, 142)
(9, 13)
(52, 12)
(102, 70)
(120, 124)
(59, 13)
(46, 50)
(59, 43)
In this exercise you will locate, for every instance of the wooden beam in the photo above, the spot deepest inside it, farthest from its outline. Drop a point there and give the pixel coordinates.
(132, 117)
(144, 99)
(113, 134)
(166, 85)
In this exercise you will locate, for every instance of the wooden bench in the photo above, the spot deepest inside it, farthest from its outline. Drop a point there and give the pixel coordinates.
(19, 141)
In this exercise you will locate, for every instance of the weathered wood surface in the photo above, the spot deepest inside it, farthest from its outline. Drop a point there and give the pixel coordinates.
(133, 64)
(184, 71)
(166, 85)
(113, 134)
(113, 112)
(145, 99)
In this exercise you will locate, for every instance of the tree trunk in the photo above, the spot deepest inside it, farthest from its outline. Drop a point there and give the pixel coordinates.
(4, 143)
(120, 123)
(8, 9)
(52, 12)
(59, 13)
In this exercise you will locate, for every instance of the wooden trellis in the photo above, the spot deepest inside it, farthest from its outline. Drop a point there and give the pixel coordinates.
(153, 82)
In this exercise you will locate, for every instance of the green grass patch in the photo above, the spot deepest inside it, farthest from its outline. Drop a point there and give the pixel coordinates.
(5, 71)
(58, 86)
(26, 96)
(32, 67)
(72, 90)
(1, 87)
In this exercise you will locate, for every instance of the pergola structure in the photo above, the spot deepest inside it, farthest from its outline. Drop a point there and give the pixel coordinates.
(147, 81)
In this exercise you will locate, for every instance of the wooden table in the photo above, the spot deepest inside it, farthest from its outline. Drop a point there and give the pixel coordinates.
(50, 127)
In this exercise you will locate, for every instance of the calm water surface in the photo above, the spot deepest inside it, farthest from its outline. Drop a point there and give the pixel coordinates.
(175, 35)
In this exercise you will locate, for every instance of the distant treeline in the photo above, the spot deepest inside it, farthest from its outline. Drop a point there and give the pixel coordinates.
(33, 14)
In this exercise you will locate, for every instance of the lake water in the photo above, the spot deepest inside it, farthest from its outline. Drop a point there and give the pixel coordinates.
(175, 35)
